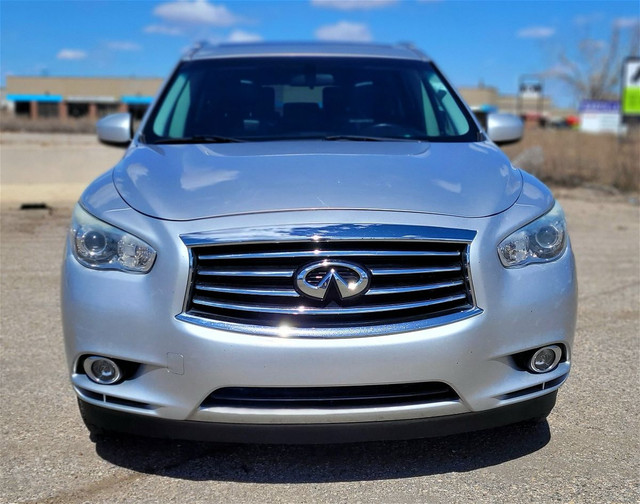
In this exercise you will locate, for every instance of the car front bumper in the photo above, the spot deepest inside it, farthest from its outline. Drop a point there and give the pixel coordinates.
(133, 318)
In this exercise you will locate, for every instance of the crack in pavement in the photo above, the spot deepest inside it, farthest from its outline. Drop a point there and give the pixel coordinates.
(83, 494)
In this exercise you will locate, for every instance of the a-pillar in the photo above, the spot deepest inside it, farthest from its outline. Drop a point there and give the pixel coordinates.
(33, 109)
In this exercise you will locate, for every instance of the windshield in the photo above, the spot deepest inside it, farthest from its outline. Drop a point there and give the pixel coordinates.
(281, 98)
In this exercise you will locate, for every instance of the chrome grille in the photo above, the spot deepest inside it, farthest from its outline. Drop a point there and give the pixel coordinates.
(250, 286)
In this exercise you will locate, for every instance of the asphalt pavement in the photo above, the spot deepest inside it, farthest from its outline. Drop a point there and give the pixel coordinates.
(587, 452)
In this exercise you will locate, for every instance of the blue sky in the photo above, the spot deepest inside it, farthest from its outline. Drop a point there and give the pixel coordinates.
(472, 40)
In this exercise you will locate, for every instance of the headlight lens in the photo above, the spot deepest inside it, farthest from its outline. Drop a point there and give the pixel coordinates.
(98, 245)
(543, 240)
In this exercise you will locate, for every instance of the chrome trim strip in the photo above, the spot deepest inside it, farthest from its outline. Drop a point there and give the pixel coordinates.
(333, 253)
(413, 271)
(250, 292)
(190, 280)
(413, 288)
(247, 273)
(324, 232)
(303, 310)
(330, 332)
(466, 260)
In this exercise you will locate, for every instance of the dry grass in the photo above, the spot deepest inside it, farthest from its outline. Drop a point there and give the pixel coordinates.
(9, 122)
(569, 158)
(565, 158)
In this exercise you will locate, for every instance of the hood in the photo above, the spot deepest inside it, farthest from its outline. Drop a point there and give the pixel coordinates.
(184, 182)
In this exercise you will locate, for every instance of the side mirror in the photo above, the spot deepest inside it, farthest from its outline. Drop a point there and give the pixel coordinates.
(115, 129)
(504, 128)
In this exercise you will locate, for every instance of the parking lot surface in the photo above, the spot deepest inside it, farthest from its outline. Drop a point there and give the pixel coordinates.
(587, 452)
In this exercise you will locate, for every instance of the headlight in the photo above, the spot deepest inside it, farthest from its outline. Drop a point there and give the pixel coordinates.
(543, 240)
(98, 245)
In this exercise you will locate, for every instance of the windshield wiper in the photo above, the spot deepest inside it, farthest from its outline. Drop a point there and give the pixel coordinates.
(198, 139)
(355, 138)
(364, 138)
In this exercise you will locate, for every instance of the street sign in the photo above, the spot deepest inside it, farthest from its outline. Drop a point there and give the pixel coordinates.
(530, 96)
(599, 116)
(531, 90)
(631, 89)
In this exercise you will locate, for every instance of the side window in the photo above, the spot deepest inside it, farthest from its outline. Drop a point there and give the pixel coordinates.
(180, 111)
(456, 122)
(429, 115)
(163, 121)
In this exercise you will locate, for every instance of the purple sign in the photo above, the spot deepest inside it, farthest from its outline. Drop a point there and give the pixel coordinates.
(599, 107)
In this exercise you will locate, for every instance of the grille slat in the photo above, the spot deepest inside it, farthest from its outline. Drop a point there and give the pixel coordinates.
(303, 310)
(247, 273)
(253, 284)
(249, 291)
(413, 288)
(414, 271)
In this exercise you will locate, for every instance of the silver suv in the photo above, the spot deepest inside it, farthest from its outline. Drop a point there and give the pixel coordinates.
(314, 243)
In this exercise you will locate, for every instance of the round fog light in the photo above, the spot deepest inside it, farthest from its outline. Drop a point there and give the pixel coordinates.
(102, 370)
(545, 359)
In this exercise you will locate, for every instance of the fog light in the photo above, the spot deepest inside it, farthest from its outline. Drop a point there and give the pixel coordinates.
(545, 359)
(102, 370)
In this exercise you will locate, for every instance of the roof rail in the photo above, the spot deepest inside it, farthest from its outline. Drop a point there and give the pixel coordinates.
(412, 47)
(195, 48)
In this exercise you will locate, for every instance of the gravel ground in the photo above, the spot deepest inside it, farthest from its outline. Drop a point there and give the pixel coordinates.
(587, 452)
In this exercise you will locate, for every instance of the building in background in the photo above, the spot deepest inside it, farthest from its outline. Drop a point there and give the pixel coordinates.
(531, 108)
(79, 97)
(95, 97)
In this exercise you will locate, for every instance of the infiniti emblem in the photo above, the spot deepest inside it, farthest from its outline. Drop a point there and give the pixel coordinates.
(316, 279)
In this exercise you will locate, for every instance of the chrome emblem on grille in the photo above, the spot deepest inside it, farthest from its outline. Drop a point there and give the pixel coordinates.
(316, 279)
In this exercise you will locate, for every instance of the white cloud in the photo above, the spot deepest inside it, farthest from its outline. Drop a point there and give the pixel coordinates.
(348, 5)
(587, 19)
(243, 36)
(345, 31)
(71, 54)
(124, 46)
(626, 22)
(197, 12)
(163, 30)
(536, 32)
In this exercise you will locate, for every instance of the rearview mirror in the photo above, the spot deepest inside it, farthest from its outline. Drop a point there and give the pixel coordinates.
(504, 128)
(115, 129)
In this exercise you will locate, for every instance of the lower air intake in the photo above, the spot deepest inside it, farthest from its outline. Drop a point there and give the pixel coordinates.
(366, 396)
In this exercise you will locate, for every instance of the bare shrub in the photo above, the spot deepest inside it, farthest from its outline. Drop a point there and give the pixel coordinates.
(572, 158)
(9, 122)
